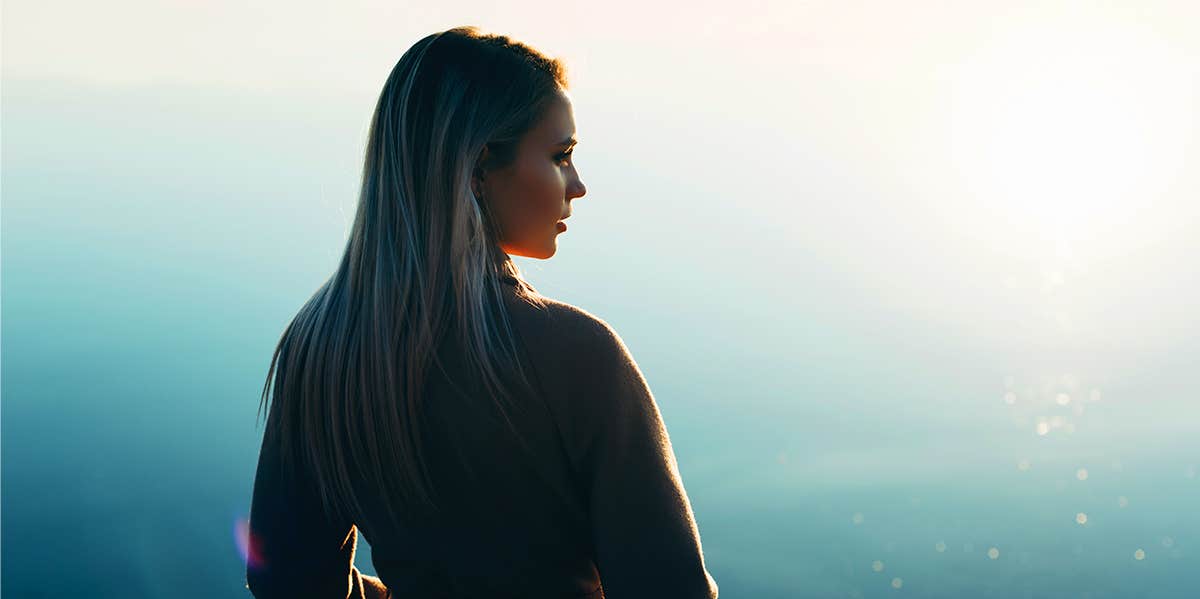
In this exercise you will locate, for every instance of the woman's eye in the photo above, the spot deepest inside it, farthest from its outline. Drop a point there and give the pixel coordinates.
(565, 156)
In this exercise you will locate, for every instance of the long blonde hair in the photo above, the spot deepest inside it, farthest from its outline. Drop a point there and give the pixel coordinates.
(422, 265)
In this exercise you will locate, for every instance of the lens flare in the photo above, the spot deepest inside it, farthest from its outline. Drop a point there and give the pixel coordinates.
(249, 547)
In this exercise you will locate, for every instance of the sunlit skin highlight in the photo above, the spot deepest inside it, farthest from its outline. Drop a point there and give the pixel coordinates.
(532, 195)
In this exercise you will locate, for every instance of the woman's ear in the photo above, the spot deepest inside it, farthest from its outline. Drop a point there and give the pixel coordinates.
(479, 172)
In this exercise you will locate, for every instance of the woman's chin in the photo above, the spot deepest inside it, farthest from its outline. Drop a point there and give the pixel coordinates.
(548, 252)
(539, 253)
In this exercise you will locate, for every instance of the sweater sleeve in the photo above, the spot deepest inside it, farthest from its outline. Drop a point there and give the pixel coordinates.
(644, 532)
(294, 549)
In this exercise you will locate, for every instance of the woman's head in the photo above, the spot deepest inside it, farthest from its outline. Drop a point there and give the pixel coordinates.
(471, 123)
(467, 161)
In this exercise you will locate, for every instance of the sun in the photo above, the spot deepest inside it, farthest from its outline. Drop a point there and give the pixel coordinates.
(1068, 133)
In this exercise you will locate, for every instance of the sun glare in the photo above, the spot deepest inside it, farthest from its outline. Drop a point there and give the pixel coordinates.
(1064, 132)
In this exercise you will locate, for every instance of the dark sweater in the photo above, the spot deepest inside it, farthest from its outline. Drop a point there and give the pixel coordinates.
(596, 499)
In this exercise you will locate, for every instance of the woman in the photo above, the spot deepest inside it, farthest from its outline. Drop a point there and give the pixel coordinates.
(487, 440)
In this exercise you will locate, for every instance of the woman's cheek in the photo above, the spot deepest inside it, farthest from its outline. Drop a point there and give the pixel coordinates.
(550, 193)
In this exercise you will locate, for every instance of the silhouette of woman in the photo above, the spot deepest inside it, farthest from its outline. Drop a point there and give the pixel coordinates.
(487, 440)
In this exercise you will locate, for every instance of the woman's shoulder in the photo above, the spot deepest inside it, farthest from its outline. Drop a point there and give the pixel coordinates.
(581, 362)
(566, 338)
(551, 319)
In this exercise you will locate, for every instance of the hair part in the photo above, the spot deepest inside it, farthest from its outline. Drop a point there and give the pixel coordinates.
(421, 270)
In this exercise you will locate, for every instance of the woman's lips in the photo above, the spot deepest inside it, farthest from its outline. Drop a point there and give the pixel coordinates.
(562, 226)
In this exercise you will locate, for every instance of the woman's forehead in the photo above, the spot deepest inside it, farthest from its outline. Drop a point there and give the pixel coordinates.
(557, 126)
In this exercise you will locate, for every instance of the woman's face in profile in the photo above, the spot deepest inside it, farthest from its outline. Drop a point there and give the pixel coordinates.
(533, 195)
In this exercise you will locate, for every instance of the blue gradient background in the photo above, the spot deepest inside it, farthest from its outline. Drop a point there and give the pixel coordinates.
(828, 315)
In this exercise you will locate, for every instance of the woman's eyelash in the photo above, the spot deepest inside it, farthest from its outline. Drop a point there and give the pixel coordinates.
(563, 156)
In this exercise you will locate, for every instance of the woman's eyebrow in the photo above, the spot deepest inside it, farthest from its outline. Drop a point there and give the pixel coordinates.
(570, 141)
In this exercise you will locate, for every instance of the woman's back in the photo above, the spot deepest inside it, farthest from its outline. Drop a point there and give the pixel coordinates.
(587, 493)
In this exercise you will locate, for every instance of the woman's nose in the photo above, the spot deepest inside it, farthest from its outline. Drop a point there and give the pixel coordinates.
(578, 189)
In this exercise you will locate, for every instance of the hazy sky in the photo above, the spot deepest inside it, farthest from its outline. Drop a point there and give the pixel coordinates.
(977, 164)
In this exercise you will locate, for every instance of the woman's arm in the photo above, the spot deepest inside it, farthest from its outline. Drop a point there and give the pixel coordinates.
(296, 550)
(646, 540)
